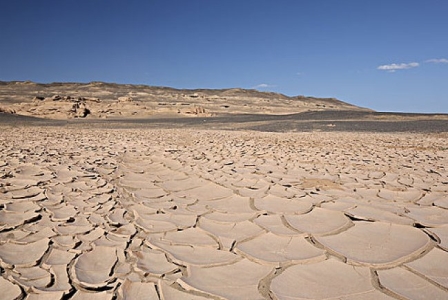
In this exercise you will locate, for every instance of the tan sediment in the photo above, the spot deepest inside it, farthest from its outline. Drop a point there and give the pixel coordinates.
(194, 214)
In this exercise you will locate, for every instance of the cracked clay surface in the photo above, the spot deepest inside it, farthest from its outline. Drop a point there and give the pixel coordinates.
(196, 214)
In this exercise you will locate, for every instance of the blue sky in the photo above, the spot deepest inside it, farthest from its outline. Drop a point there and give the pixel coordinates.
(388, 55)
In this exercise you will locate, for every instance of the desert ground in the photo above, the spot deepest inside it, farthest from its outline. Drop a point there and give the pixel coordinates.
(339, 203)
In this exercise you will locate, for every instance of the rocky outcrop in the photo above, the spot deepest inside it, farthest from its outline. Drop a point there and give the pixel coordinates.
(7, 110)
(91, 99)
(80, 110)
(38, 98)
(125, 99)
(197, 110)
(56, 107)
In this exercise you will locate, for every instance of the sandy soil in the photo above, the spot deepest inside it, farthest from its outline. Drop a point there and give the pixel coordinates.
(95, 212)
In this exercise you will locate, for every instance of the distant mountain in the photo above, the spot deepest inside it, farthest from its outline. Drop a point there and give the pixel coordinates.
(110, 100)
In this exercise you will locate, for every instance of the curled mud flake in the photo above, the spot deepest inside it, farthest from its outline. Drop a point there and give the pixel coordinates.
(9, 220)
(190, 236)
(429, 198)
(116, 217)
(32, 277)
(149, 194)
(432, 216)
(9, 290)
(378, 244)
(44, 295)
(232, 204)
(153, 261)
(209, 191)
(22, 206)
(195, 255)
(93, 295)
(26, 193)
(14, 185)
(442, 203)
(442, 235)
(409, 285)
(78, 226)
(46, 232)
(58, 257)
(409, 195)
(65, 242)
(178, 220)
(23, 254)
(273, 249)
(281, 191)
(254, 192)
(12, 235)
(235, 281)
(433, 265)
(99, 199)
(138, 290)
(229, 217)
(329, 279)
(93, 269)
(184, 184)
(154, 226)
(364, 212)
(274, 224)
(61, 282)
(174, 291)
(319, 221)
(92, 235)
(231, 231)
(126, 230)
(276, 204)
(62, 212)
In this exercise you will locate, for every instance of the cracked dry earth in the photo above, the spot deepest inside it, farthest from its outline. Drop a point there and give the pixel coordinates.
(171, 214)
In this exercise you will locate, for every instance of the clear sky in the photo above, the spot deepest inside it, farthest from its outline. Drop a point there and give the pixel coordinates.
(388, 55)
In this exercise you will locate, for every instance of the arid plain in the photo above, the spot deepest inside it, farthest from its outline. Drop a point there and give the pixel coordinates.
(134, 192)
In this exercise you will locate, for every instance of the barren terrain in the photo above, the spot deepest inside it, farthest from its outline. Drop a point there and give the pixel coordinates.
(338, 203)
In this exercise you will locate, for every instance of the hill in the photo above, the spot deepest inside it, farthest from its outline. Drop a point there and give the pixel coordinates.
(111, 100)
